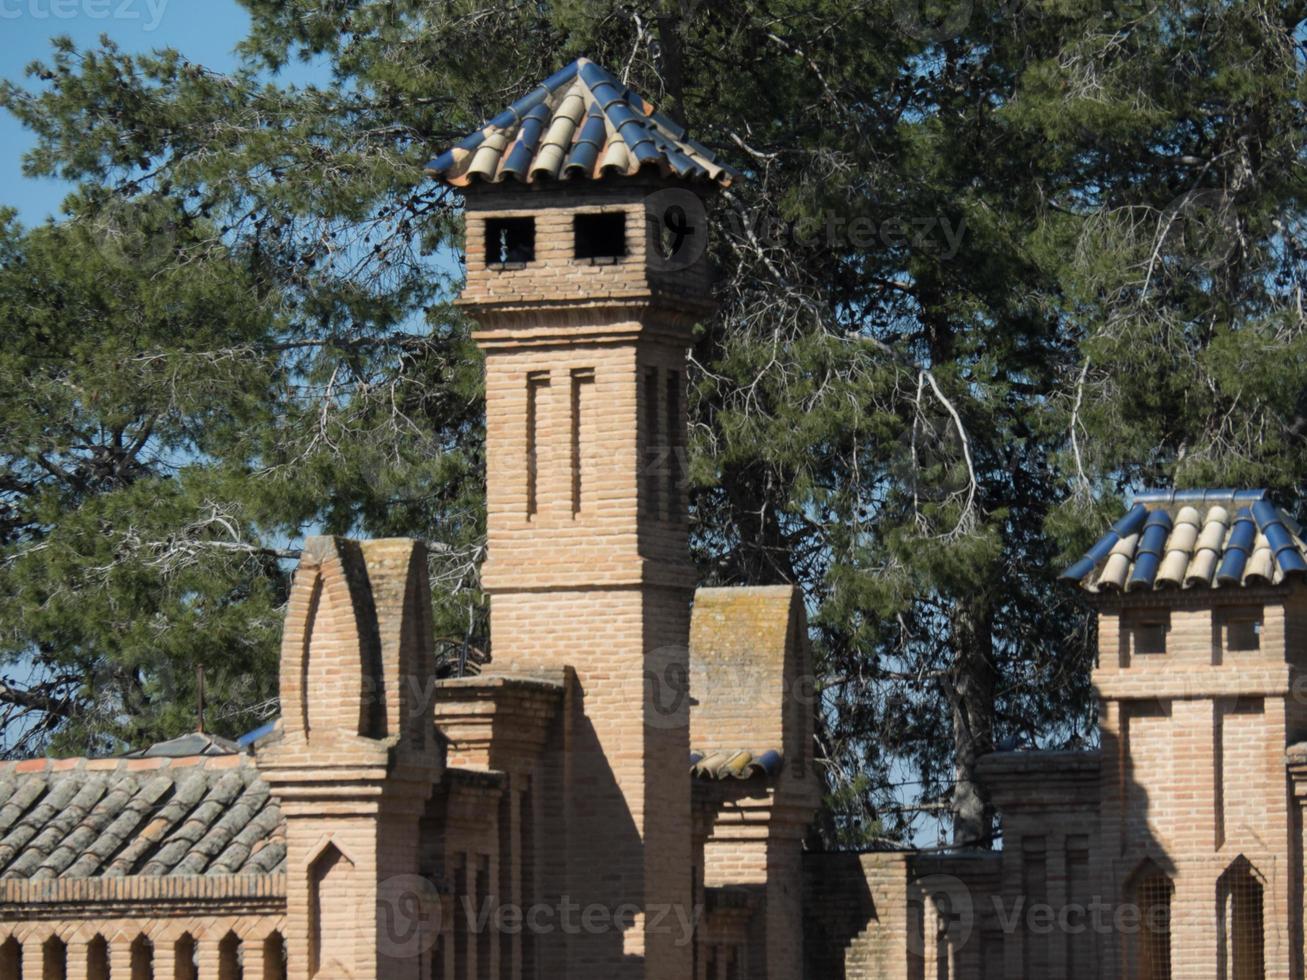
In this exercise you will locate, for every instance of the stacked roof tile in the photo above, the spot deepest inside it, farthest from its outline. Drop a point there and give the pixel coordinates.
(78, 818)
(581, 122)
(734, 764)
(1194, 539)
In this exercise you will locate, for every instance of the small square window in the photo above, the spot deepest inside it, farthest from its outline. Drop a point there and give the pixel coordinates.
(510, 242)
(600, 237)
(1243, 630)
(1148, 635)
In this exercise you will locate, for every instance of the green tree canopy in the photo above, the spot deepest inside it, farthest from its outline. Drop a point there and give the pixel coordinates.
(992, 265)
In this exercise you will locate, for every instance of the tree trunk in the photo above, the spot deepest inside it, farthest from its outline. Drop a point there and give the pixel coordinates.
(671, 66)
(972, 694)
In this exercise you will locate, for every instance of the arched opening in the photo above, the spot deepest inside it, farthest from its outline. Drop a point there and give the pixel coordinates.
(11, 960)
(142, 958)
(230, 966)
(1240, 898)
(331, 910)
(1150, 892)
(184, 965)
(54, 959)
(97, 959)
(274, 957)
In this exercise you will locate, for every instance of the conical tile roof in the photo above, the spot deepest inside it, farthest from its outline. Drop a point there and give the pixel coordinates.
(582, 123)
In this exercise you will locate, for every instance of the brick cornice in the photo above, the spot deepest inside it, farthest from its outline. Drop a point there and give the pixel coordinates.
(565, 323)
(1197, 598)
(641, 573)
(69, 898)
(497, 722)
(1200, 682)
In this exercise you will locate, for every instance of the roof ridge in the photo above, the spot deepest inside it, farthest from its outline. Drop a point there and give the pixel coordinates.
(533, 137)
(1200, 495)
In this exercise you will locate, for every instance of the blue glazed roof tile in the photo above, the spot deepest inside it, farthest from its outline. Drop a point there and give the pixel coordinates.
(1194, 539)
(580, 122)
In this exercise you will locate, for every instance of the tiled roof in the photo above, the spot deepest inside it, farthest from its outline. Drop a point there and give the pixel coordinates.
(580, 122)
(79, 818)
(1193, 539)
(734, 764)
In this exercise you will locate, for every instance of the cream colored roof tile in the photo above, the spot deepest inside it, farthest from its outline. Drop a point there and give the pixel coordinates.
(1174, 565)
(1126, 546)
(1201, 569)
(1261, 564)
(1183, 539)
(1114, 572)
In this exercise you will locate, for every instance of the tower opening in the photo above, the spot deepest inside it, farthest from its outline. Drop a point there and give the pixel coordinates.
(600, 237)
(510, 241)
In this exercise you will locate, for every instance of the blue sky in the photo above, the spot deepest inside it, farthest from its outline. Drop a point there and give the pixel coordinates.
(205, 31)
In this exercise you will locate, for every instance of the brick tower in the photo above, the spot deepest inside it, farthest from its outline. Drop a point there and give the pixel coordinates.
(585, 273)
(1202, 613)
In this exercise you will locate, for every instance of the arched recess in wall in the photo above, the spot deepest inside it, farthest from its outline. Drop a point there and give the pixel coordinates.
(1148, 950)
(11, 959)
(142, 958)
(54, 959)
(333, 909)
(230, 959)
(274, 957)
(1240, 897)
(97, 959)
(184, 965)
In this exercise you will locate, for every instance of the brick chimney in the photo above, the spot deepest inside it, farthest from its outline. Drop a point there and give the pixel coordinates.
(586, 273)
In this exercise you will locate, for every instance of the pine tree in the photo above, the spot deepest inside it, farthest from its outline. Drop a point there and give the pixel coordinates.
(977, 282)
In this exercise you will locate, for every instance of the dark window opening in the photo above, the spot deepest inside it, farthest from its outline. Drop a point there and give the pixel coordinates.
(1153, 943)
(142, 958)
(510, 241)
(54, 959)
(672, 408)
(1148, 634)
(582, 410)
(1243, 955)
(1243, 630)
(537, 382)
(600, 237)
(654, 451)
(11, 960)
